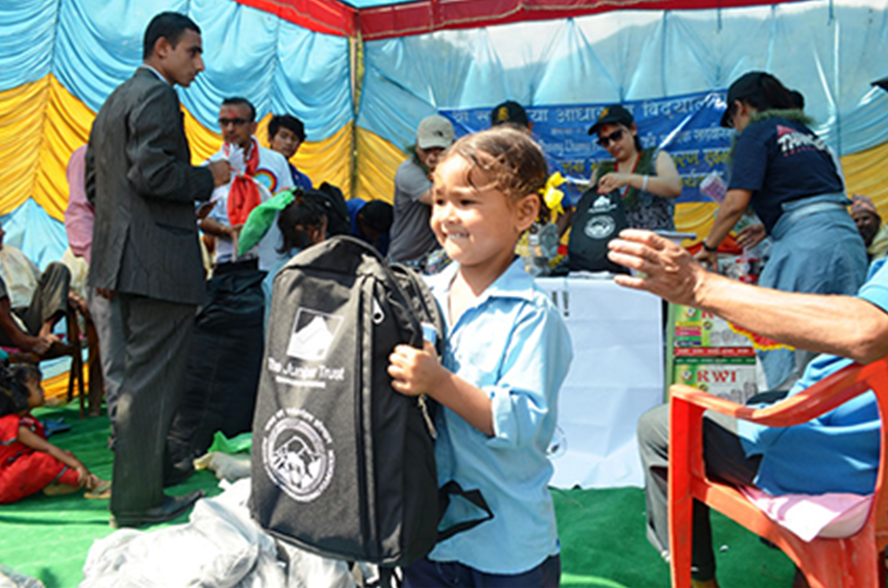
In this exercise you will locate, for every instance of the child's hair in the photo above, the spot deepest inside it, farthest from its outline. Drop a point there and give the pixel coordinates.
(307, 210)
(26, 372)
(512, 159)
(14, 387)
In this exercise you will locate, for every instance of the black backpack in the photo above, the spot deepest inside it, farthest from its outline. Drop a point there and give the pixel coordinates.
(342, 464)
(598, 219)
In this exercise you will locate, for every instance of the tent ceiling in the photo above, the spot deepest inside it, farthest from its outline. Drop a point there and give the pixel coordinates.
(379, 19)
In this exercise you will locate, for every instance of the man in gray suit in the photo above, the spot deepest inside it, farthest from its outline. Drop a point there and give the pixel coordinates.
(146, 258)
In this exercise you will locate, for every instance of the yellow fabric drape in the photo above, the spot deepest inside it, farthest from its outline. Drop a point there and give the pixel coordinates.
(66, 125)
(56, 388)
(694, 217)
(43, 123)
(867, 174)
(377, 162)
(21, 118)
(329, 160)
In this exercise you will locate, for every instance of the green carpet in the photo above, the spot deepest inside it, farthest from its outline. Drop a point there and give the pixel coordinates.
(602, 531)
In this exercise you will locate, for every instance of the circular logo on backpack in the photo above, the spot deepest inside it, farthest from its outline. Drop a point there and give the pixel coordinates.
(600, 227)
(297, 452)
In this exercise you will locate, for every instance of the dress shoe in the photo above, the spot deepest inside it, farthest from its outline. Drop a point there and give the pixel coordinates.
(172, 507)
(174, 475)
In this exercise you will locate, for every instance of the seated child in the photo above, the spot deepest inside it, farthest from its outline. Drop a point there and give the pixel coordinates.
(28, 462)
(508, 352)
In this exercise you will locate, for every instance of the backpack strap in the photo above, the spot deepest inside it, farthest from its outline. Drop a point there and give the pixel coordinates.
(420, 297)
(452, 488)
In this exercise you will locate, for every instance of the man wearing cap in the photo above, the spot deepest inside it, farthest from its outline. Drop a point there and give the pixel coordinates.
(511, 113)
(869, 223)
(411, 236)
(646, 178)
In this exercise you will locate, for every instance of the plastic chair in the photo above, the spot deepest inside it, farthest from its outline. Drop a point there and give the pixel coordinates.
(851, 562)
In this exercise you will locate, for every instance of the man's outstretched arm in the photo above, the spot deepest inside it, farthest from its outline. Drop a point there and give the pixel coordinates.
(841, 325)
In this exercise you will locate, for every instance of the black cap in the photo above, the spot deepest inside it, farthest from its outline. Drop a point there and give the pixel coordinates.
(614, 114)
(746, 86)
(883, 83)
(509, 112)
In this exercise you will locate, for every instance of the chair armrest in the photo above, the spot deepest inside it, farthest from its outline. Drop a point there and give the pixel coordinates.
(816, 400)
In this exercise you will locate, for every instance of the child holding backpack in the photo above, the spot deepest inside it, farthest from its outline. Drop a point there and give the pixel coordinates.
(28, 462)
(508, 354)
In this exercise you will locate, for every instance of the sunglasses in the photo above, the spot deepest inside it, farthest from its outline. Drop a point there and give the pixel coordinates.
(606, 140)
(224, 122)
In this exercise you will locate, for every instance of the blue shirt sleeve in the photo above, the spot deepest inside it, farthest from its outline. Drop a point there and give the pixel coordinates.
(795, 459)
(535, 363)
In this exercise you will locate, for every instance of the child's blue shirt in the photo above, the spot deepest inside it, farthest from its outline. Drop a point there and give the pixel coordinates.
(513, 345)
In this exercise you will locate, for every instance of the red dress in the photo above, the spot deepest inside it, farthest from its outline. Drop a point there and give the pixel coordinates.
(23, 470)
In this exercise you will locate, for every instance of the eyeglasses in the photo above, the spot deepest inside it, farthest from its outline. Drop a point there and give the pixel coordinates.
(606, 140)
(224, 122)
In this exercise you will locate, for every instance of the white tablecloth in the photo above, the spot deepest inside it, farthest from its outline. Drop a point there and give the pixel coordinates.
(616, 375)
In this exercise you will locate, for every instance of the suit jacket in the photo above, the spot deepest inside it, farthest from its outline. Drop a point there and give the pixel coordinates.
(140, 178)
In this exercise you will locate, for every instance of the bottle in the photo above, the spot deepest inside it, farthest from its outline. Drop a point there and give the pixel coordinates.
(748, 265)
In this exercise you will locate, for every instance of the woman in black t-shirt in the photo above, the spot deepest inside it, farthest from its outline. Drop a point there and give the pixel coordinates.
(788, 175)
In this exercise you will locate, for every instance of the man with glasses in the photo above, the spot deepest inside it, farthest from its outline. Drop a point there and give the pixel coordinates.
(223, 367)
(250, 164)
(646, 178)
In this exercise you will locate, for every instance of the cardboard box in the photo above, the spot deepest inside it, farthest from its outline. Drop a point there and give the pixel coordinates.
(732, 378)
(696, 328)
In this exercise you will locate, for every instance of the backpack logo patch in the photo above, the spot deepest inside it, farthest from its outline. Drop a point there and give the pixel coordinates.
(600, 227)
(313, 334)
(297, 453)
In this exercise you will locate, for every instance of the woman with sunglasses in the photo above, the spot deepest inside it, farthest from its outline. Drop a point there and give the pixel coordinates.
(647, 178)
(788, 175)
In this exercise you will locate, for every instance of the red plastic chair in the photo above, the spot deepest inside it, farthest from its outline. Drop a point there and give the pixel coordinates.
(851, 562)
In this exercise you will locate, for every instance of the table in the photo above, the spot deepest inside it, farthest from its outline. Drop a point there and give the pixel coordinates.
(616, 375)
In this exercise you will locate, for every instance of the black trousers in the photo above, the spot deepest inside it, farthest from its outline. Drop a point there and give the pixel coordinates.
(156, 338)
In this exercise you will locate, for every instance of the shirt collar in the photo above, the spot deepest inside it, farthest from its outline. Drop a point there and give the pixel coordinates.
(155, 72)
(515, 282)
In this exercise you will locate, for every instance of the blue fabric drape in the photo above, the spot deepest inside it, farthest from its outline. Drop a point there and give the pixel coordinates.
(93, 45)
(828, 51)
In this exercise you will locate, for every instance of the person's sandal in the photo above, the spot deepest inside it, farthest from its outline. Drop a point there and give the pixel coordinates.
(100, 492)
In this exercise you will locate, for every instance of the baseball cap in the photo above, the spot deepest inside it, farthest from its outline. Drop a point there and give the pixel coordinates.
(613, 114)
(746, 86)
(434, 131)
(508, 112)
(883, 83)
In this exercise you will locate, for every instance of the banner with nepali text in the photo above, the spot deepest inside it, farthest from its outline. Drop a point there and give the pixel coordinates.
(686, 127)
